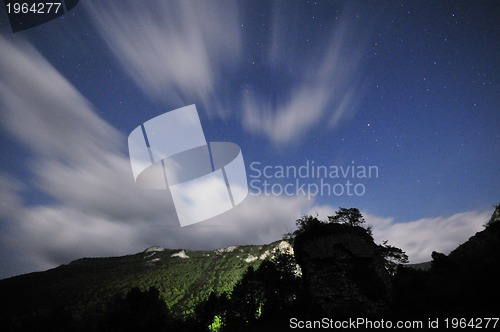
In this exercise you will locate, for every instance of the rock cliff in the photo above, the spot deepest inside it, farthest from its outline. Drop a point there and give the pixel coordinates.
(343, 271)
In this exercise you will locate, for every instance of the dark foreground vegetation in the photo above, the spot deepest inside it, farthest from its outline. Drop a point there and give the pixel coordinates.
(332, 268)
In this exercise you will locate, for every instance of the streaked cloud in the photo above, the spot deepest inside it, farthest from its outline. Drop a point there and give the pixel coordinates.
(418, 238)
(43, 237)
(10, 199)
(76, 160)
(52, 119)
(77, 156)
(96, 209)
(323, 90)
(174, 50)
(185, 57)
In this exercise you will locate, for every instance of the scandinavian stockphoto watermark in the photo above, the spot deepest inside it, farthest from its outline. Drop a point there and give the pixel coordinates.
(310, 179)
(170, 152)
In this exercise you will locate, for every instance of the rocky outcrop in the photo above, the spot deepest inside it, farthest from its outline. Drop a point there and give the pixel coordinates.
(343, 272)
(461, 284)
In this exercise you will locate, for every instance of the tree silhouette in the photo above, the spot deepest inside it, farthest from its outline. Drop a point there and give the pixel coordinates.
(305, 223)
(138, 311)
(350, 217)
(393, 256)
(210, 313)
(247, 299)
(262, 293)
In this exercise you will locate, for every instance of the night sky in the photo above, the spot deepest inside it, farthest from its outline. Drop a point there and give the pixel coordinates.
(411, 87)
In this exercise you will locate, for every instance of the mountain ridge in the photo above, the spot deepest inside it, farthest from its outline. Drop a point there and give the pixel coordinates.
(93, 289)
(183, 278)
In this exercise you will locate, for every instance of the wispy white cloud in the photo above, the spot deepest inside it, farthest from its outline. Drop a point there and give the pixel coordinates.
(180, 52)
(419, 238)
(76, 159)
(42, 237)
(322, 91)
(44, 111)
(77, 156)
(96, 210)
(257, 220)
(173, 49)
(10, 199)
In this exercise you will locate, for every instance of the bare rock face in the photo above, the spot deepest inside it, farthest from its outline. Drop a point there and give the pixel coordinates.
(343, 273)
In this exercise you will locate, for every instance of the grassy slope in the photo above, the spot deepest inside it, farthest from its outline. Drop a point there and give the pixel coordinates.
(90, 283)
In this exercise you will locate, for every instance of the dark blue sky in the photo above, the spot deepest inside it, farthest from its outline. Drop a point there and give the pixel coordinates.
(411, 87)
